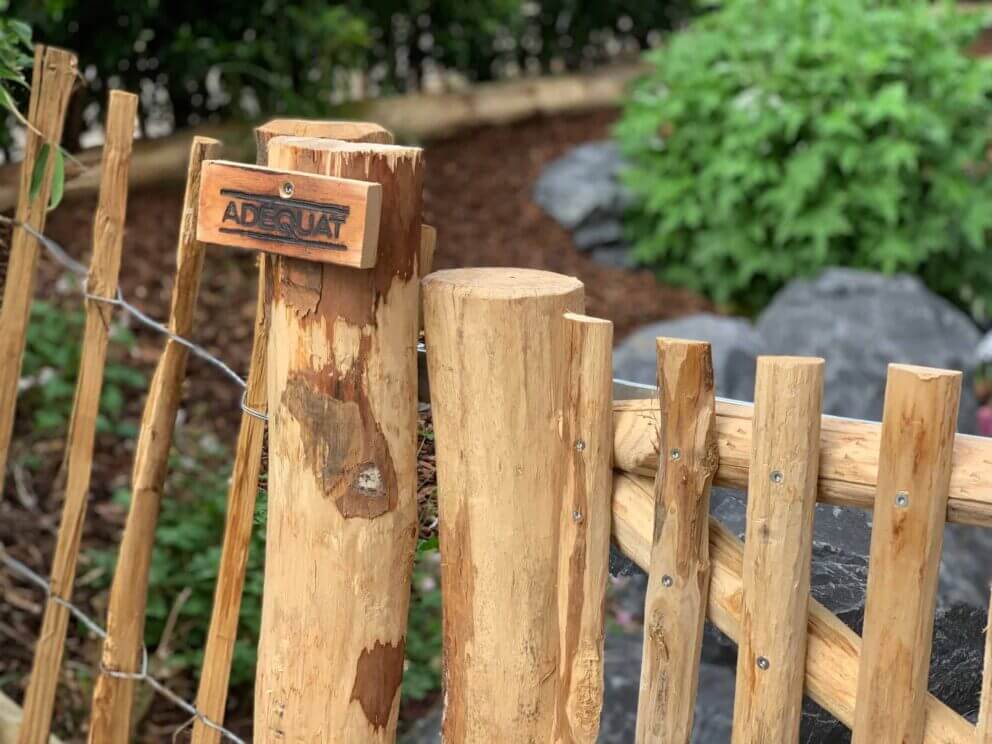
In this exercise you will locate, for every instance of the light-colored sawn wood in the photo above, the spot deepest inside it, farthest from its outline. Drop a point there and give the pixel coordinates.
(985, 709)
(219, 649)
(781, 500)
(342, 513)
(914, 471)
(51, 83)
(833, 649)
(495, 347)
(108, 238)
(679, 570)
(848, 457)
(584, 539)
(113, 696)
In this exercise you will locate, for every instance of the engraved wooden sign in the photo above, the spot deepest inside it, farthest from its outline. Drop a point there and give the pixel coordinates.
(317, 218)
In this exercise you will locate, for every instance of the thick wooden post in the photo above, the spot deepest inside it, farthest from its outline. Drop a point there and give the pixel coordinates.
(984, 735)
(219, 650)
(108, 239)
(342, 517)
(51, 84)
(113, 694)
(496, 341)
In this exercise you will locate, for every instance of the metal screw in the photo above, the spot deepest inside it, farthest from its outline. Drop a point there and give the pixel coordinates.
(902, 499)
(666, 580)
(777, 476)
(576, 516)
(287, 190)
(763, 663)
(676, 453)
(580, 445)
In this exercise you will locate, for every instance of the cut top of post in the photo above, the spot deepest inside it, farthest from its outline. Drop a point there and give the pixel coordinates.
(358, 131)
(505, 283)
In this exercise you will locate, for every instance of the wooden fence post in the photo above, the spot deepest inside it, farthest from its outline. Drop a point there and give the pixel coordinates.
(215, 671)
(495, 341)
(113, 694)
(51, 84)
(679, 574)
(108, 239)
(914, 473)
(984, 735)
(342, 515)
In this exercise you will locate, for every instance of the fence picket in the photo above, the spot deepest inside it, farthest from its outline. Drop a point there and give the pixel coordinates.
(914, 471)
(113, 694)
(984, 735)
(679, 573)
(781, 500)
(584, 539)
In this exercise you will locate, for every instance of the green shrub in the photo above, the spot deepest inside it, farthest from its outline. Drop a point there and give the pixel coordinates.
(776, 137)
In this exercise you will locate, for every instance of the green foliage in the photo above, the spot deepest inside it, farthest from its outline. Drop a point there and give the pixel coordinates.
(15, 57)
(51, 364)
(422, 673)
(776, 137)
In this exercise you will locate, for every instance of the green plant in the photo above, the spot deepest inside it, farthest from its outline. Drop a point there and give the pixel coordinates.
(15, 57)
(776, 137)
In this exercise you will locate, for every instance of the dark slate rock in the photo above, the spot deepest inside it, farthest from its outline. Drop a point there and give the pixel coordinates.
(736, 346)
(860, 322)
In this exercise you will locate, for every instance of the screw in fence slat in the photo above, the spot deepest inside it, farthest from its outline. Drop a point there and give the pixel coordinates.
(55, 72)
(112, 697)
(108, 238)
(342, 466)
(218, 652)
(918, 424)
(781, 502)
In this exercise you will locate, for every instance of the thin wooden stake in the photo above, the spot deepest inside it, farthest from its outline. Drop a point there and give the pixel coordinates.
(781, 502)
(984, 735)
(219, 650)
(914, 473)
(51, 84)
(425, 260)
(108, 239)
(584, 539)
(679, 574)
(113, 695)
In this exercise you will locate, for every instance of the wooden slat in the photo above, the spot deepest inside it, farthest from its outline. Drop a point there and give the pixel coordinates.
(848, 457)
(108, 239)
(985, 709)
(678, 577)
(781, 502)
(833, 649)
(914, 470)
(10, 722)
(51, 83)
(113, 696)
(584, 540)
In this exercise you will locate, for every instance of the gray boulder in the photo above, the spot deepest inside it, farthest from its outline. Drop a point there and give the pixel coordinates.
(860, 322)
(582, 192)
(736, 346)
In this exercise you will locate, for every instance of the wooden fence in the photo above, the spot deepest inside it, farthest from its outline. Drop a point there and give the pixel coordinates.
(538, 470)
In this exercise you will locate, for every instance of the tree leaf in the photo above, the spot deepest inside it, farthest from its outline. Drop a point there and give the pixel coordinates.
(38, 174)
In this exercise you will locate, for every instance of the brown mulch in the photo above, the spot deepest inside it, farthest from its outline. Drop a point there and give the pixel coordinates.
(477, 195)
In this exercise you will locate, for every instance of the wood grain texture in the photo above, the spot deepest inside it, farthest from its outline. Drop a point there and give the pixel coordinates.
(218, 652)
(113, 696)
(984, 735)
(678, 576)
(495, 346)
(425, 261)
(108, 239)
(342, 513)
(914, 471)
(306, 216)
(848, 458)
(584, 539)
(54, 74)
(833, 650)
(781, 500)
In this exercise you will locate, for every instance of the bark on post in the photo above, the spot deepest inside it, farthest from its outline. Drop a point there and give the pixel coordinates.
(215, 671)
(342, 515)
(496, 341)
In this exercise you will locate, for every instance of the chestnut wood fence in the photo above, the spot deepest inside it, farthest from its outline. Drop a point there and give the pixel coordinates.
(539, 468)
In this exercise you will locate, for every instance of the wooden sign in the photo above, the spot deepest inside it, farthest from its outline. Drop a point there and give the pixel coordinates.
(317, 218)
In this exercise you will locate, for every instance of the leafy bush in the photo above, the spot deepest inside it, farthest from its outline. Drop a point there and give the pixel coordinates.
(776, 137)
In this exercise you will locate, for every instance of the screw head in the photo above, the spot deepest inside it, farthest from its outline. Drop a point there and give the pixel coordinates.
(777, 476)
(762, 663)
(576, 516)
(667, 580)
(676, 454)
(902, 499)
(580, 445)
(286, 190)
